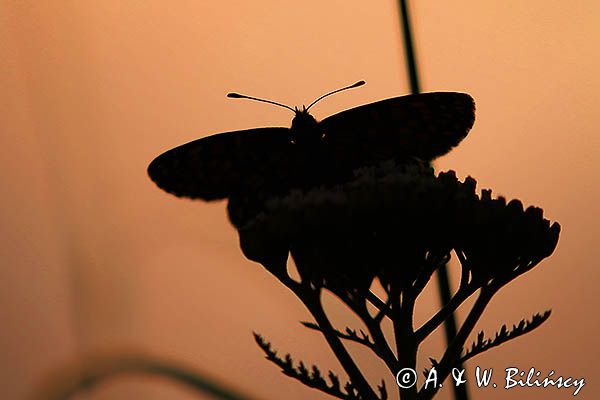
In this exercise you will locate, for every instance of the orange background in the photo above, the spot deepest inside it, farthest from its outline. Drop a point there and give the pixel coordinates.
(94, 256)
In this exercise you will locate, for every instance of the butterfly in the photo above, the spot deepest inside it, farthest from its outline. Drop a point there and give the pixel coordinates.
(255, 163)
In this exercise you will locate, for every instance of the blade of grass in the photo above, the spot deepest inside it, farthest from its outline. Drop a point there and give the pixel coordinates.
(460, 392)
(68, 382)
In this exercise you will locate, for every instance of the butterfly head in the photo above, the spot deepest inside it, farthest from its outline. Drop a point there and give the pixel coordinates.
(305, 129)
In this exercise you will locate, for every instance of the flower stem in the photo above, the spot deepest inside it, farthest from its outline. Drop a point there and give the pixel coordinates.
(406, 345)
(383, 350)
(312, 300)
(451, 357)
(444, 313)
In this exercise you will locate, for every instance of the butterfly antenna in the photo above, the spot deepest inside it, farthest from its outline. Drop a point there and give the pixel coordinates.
(243, 96)
(354, 85)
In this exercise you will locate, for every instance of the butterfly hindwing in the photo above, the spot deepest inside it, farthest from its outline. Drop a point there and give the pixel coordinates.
(219, 166)
(425, 126)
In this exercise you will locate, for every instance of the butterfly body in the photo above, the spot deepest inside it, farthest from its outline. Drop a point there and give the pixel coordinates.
(251, 165)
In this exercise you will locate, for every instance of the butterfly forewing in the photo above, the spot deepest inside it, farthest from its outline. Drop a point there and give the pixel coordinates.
(218, 166)
(425, 126)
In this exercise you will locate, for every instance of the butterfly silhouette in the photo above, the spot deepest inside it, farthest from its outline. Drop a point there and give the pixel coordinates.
(260, 162)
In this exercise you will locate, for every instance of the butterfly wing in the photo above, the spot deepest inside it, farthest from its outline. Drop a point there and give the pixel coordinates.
(219, 166)
(425, 126)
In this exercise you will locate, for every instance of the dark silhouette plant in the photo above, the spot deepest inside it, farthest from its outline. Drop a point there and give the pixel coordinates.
(397, 223)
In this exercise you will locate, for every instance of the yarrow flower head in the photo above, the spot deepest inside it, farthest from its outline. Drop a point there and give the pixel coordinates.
(393, 222)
